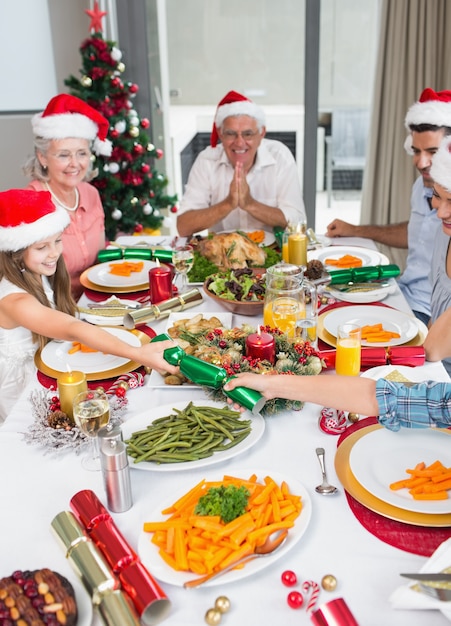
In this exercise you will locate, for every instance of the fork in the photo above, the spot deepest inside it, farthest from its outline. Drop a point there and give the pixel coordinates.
(438, 593)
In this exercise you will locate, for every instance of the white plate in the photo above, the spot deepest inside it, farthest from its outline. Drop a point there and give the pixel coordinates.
(148, 551)
(382, 456)
(141, 421)
(145, 241)
(100, 275)
(106, 320)
(363, 297)
(369, 257)
(156, 380)
(56, 355)
(392, 319)
(414, 374)
(268, 240)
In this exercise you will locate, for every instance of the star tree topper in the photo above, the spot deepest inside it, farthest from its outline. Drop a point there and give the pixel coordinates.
(96, 18)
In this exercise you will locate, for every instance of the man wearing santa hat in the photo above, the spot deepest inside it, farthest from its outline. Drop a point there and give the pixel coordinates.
(427, 121)
(245, 182)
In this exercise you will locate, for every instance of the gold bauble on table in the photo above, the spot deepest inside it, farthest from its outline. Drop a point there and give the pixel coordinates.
(222, 604)
(213, 617)
(329, 582)
(353, 417)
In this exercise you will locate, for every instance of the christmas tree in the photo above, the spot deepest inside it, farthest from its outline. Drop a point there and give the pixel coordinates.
(133, 192)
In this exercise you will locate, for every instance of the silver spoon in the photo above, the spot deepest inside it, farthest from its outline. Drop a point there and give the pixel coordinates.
(325, 489)
(272, 543)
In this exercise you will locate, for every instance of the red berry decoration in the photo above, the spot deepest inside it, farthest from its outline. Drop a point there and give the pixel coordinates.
(289, 578)
(295, 599)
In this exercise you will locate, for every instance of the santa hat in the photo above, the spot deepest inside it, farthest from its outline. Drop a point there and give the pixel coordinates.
(67, 116)
(234, 103)
(441, 164)
(28, 216)
(433, 107)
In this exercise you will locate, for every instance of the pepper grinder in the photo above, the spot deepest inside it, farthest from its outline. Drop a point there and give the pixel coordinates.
(116, 475)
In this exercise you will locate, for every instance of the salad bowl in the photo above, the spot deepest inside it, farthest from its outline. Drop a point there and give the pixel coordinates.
(226, 297)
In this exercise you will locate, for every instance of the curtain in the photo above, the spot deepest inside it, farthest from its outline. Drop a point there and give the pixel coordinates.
(414, 53)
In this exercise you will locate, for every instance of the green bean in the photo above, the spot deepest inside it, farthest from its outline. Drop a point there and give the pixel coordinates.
(188, 435)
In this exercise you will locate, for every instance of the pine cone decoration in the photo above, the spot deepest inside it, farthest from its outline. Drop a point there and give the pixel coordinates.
(59, 420)
(314, 269)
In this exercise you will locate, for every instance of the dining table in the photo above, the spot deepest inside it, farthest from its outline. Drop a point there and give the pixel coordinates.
(38, 483)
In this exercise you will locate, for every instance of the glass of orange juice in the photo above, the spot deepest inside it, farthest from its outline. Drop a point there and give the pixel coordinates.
(347, 358)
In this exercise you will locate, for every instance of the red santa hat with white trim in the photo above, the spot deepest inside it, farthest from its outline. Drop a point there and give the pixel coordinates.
(441, 164)
(68, 116)
(235, 103)
(28, 216)
(433, 107)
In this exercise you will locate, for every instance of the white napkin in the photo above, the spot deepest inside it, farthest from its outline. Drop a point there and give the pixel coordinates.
(407, 598)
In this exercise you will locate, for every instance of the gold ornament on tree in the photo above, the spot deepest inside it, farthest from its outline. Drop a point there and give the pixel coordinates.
(134, 131)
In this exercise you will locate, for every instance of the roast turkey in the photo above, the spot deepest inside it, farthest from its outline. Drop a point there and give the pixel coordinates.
(232, 250)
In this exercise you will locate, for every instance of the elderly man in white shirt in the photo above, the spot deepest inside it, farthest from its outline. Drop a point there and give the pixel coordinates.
(244, 183)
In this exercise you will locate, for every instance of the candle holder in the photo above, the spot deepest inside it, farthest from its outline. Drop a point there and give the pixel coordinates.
(70, 384)
(160, 283)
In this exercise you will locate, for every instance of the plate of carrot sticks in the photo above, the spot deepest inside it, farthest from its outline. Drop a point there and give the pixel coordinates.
(410, 469)
(125, 273)
(345, 257)
(177, 545)
(381, 326)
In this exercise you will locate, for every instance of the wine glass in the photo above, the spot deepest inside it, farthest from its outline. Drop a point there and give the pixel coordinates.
(91, 413)
(183, 259)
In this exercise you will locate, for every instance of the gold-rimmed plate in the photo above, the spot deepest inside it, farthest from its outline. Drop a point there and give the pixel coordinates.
(88, 284)
(367, 315)
(325, 336)
(111, 371)
(102, 275)
(371, 502)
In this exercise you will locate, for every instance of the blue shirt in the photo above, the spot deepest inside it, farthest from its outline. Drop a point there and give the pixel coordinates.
(421, 232)
(420, 405)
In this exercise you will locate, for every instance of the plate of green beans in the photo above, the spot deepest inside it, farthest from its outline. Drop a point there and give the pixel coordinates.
(185, 435)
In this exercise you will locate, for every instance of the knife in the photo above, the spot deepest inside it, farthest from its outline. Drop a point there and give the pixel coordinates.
(355, 287)
(422, 577)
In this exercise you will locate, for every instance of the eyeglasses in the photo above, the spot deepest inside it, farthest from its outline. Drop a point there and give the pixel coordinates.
(66, 156)
(232, 135)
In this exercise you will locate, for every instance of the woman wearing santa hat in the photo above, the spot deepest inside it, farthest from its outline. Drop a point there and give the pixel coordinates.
(35, 299)
(64, 135)
(245, 182)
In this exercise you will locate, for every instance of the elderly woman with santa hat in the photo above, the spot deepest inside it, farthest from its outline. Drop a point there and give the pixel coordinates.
(64, 135)
(245, 182)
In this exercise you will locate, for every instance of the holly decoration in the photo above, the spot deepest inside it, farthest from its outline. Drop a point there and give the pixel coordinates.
(226, 348)
(132, 190)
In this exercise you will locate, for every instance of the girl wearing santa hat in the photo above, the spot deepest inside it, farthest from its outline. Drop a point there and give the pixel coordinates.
(35, 299)
(64, 135)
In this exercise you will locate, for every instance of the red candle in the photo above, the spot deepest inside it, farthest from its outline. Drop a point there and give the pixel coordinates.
(160, 283)
(261, 346)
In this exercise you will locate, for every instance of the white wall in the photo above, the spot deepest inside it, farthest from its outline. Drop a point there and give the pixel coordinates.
(29, 78)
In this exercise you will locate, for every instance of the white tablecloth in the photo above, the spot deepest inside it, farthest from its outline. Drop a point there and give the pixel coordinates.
(37, 486)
